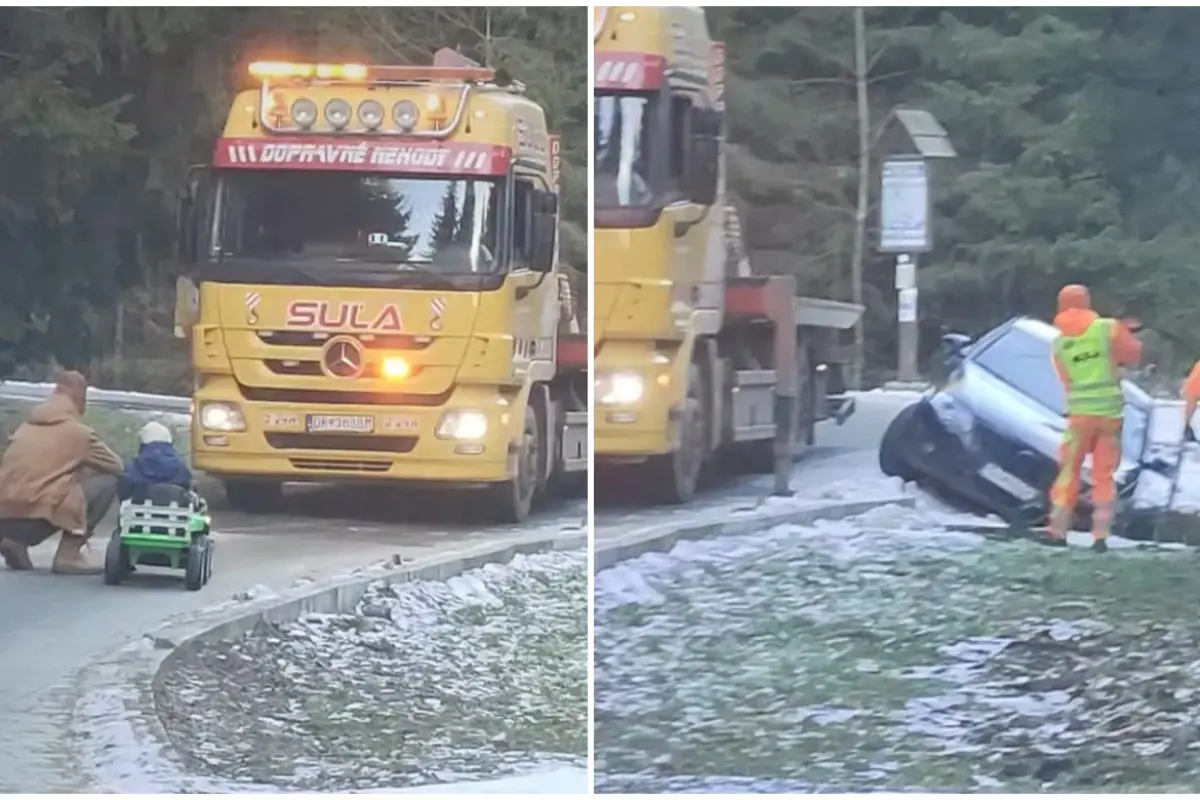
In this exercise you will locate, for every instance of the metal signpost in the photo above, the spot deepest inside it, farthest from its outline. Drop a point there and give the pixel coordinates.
(904, 211)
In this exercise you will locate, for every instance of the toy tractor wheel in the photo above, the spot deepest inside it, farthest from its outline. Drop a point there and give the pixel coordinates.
(208, 560)
(116, 561)
(195, 572)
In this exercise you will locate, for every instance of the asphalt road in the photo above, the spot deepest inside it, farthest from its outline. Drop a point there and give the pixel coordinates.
(618, 510)
(52, 626)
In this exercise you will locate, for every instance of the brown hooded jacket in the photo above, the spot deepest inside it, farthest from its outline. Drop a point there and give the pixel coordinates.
(40, 470)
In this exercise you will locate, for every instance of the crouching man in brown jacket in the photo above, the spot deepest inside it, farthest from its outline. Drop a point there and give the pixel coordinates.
(56, 475)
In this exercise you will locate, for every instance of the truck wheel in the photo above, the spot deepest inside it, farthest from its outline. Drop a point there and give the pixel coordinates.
(512, 500)
(252, 496)
(891, 448)
(674, 476)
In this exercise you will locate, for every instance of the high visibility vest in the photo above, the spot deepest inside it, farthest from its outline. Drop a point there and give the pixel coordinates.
(1093, 386)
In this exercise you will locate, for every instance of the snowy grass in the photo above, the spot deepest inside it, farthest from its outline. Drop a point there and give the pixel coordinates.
(478, 677)
(888, 653)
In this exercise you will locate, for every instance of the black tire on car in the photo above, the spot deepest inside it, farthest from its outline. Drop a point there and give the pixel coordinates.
(253, 496)
(892, 461)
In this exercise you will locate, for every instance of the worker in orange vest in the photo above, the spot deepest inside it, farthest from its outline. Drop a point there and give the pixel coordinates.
(1191, 398)
(1088, 356)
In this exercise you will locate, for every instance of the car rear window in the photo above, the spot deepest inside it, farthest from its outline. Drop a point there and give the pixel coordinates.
(1022, 360)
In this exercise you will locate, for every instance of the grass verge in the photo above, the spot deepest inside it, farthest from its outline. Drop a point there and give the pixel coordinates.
(119, 429)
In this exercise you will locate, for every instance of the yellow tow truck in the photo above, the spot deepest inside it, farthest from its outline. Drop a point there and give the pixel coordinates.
(699, 363)
(373, 289)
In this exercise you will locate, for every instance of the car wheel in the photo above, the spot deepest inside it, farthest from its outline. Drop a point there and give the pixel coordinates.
(896, 439)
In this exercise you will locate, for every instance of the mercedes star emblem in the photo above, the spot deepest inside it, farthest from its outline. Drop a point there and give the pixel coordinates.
(343, 358)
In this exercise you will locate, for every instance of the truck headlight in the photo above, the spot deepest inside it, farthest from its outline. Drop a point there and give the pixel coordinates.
(223, 417)
(619, 388)
(462, 426)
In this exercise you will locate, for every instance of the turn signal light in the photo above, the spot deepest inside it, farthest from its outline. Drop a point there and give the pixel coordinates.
(395, 368)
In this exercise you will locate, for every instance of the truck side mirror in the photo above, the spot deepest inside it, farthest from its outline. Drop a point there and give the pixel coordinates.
(954, 348)
(190, 213)
(185, 227)
(187, 307)
(703, 157)
(543, 231)
(955, 344)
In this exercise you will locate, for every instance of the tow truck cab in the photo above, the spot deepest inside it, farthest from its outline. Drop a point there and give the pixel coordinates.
(376, 257)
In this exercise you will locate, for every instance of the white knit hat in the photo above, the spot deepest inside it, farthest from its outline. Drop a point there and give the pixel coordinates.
(155, 432)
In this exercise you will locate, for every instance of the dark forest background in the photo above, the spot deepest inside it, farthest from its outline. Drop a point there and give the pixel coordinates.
(102, 110)
(1078, 159)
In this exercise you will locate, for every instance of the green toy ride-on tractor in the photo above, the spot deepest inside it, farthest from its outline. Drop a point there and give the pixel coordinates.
(166, 527)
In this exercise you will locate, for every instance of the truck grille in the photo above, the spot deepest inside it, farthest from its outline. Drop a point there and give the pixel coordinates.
(331, 397)
(341, 441)
(341, 464)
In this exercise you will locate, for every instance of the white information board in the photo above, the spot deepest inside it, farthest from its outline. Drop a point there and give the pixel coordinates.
(904, 207)
(907, 307)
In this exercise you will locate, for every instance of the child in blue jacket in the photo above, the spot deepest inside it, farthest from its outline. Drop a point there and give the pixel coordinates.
(157, 463)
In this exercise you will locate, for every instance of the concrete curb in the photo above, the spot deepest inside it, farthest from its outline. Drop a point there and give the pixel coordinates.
(114, 698)
(662, 537)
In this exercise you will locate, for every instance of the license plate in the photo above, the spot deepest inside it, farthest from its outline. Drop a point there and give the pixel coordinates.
(1008, 482)
(339, 423)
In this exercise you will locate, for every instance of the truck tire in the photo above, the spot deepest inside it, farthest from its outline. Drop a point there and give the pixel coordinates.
(891, 448)
(253, 496)
(511, 501)
(673, 477)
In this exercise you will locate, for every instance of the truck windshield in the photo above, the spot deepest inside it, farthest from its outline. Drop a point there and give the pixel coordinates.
(344, 220)
(623, 135)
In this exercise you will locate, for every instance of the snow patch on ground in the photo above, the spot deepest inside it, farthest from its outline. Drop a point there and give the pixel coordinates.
(480, 676)
(566, 780)
(877, 653)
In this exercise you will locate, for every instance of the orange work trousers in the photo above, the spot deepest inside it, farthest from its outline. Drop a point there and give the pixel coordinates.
(1099, 437)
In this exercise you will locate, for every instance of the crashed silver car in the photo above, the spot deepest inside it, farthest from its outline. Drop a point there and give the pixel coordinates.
(987, 440)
